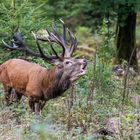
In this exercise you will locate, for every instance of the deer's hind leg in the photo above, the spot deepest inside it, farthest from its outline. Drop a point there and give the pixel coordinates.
(7, 94)
(16, 95)
(31, 104)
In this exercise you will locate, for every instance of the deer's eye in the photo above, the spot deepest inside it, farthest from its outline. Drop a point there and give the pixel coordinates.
(68, 62)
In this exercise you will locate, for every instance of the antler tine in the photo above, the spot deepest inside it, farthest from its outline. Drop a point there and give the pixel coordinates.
(55, 37)
(38, 46)
(54, 28)
(17, 44)
(64, 32)
(54, 50)
(40, 50)
(73, 42)
(61, 40)
(8, 46)
(17, 38)
(24, 49)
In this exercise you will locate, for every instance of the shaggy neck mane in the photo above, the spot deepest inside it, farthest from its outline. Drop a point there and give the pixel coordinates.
(58, 83)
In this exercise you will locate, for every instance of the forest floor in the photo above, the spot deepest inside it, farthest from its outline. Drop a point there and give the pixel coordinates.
(97, 111)
(17, 123)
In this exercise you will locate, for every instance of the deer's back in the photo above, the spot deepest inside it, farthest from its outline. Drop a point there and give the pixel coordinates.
(22, 75)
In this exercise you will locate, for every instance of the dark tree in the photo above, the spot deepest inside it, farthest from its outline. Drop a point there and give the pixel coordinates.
(126, 27)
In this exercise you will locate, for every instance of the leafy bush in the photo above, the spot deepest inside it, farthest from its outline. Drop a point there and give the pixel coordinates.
(89, 108)
(23, 16)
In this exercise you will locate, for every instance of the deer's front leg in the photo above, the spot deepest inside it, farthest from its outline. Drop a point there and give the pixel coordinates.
(32, 104)
(43, 104)
(39, 106)
(7, 91)
(18, 96)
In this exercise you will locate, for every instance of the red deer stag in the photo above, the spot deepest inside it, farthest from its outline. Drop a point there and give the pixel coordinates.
(36, 82)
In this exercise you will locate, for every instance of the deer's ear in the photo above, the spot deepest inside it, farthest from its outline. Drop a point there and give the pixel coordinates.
(60, 66)
(56, 62)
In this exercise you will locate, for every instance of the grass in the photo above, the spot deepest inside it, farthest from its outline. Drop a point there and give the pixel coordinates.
(96, 108)
(93, 109)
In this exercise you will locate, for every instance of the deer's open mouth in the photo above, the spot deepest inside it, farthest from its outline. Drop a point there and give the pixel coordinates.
(83, 69)
(84, 66)
(79, 71)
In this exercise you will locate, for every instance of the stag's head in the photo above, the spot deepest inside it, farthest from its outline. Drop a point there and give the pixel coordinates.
(64, 62)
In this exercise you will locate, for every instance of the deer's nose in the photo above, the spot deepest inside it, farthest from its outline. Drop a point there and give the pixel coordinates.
(85, 62)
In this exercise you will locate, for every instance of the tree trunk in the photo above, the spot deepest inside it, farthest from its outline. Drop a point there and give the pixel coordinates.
(126, 27)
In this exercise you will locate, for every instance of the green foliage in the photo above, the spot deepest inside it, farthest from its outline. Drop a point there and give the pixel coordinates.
(19, 15)
(83, 32)
(97, 97)
(107, 49)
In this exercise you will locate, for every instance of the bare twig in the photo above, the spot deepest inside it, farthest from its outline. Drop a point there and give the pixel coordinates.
(69, 104)
(126, 76)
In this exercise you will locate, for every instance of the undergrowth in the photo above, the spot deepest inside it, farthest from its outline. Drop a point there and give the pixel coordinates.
(94, 108)
(92, 105)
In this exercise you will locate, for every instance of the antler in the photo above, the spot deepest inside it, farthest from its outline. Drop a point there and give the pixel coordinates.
(17, 44)
(61, 40)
